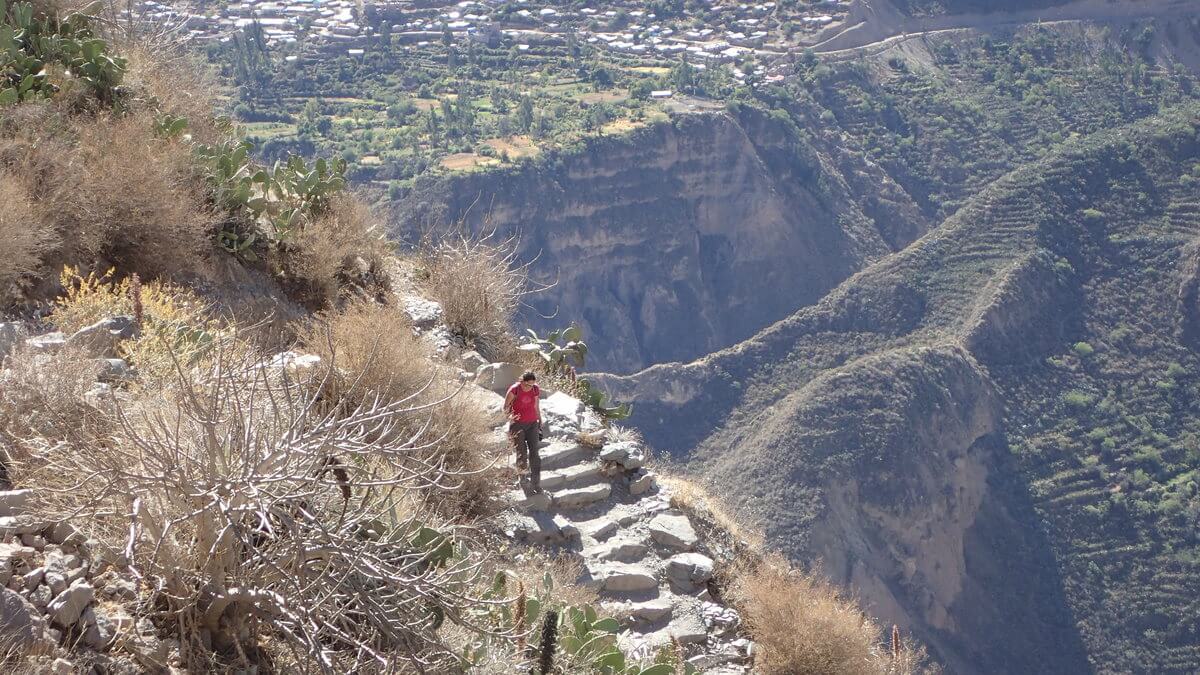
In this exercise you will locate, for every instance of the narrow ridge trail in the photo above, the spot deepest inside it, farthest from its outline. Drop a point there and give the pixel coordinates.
(650, 564)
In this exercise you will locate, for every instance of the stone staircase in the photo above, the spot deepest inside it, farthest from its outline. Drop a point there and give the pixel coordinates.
(650, 566)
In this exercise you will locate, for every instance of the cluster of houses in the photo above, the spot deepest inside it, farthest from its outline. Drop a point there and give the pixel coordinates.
(731, 30)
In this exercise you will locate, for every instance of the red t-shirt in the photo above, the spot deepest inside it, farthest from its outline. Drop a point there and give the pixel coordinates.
(524, 403)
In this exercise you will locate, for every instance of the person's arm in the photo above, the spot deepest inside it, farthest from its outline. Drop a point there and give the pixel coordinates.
(508, 402)
(537, 405)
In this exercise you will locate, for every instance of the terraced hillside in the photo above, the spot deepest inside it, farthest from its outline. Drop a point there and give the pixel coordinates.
(688, 236)
(992, 434)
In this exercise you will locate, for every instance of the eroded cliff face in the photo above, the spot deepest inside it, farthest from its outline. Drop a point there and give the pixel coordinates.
(678, 240)
(892, 473)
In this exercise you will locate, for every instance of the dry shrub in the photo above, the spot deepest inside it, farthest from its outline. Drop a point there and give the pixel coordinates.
(334, 251)
(803, 624)
(479, 285)
(565, 571)
(368, 350)
(175, 81)
(42, 401)
(177, 327)
(24, 237)
(712, 512)
(130, 200)
(109, 191)
(259, 518)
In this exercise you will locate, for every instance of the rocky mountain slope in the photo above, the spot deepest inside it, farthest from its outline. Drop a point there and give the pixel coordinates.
(678, 239)
(922, 426)
(687, 237)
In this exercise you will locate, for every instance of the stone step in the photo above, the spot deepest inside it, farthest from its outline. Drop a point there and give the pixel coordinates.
(560, 454)
(572, 476)
(581, 497)
(623, 577)
(599, 528)
(620, 548)
(674, 531)
(544, 528)
(523, 501)
(649, 611)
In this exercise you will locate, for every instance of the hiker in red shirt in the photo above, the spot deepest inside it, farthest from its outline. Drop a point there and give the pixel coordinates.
(523, 405)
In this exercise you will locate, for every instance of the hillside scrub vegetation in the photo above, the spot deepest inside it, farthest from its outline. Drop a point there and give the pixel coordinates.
(210, 492)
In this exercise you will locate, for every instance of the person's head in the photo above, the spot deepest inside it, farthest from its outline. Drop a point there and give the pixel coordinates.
(528, 379)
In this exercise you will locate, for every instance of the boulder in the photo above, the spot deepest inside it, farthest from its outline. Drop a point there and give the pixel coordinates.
(674, 531)
(626, 453)
(114, 370)
(102, 337)
(41, 596)
(66, 607)
(642, 484)
(15, 552)
(99, 631)
(14, 502)
(491, 403)
(424, 313)
(20, 622)
(293, 362)
(471, 361)
(18, 525)
(498, 377)
(689, 570)
(563, 414)
(99, 395)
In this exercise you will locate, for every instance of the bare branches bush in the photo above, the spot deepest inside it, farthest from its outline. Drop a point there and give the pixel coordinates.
(368, 350)
(479, 285)
(255, 515)
(43, 400)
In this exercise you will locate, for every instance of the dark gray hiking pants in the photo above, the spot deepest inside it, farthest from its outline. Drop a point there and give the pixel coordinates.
(525, 439)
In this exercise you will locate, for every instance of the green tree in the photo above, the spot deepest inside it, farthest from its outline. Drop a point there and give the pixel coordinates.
(525, 114)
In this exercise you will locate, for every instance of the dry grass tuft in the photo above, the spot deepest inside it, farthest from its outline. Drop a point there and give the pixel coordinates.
(480, 286)
(368, 350)
(710, 511)
(107, 192)
(24, 237)
(334, 252)
(136, 207)
(803, 624)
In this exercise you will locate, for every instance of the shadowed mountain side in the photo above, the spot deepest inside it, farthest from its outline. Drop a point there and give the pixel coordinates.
(682, 238)
(868, 432)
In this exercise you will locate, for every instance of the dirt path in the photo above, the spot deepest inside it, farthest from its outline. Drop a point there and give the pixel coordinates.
(877, 24)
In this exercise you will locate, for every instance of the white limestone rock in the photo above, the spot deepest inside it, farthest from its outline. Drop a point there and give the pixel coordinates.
(689, 570)
(498, 377)
(674, 531)
(424, 313)
(66, 607)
